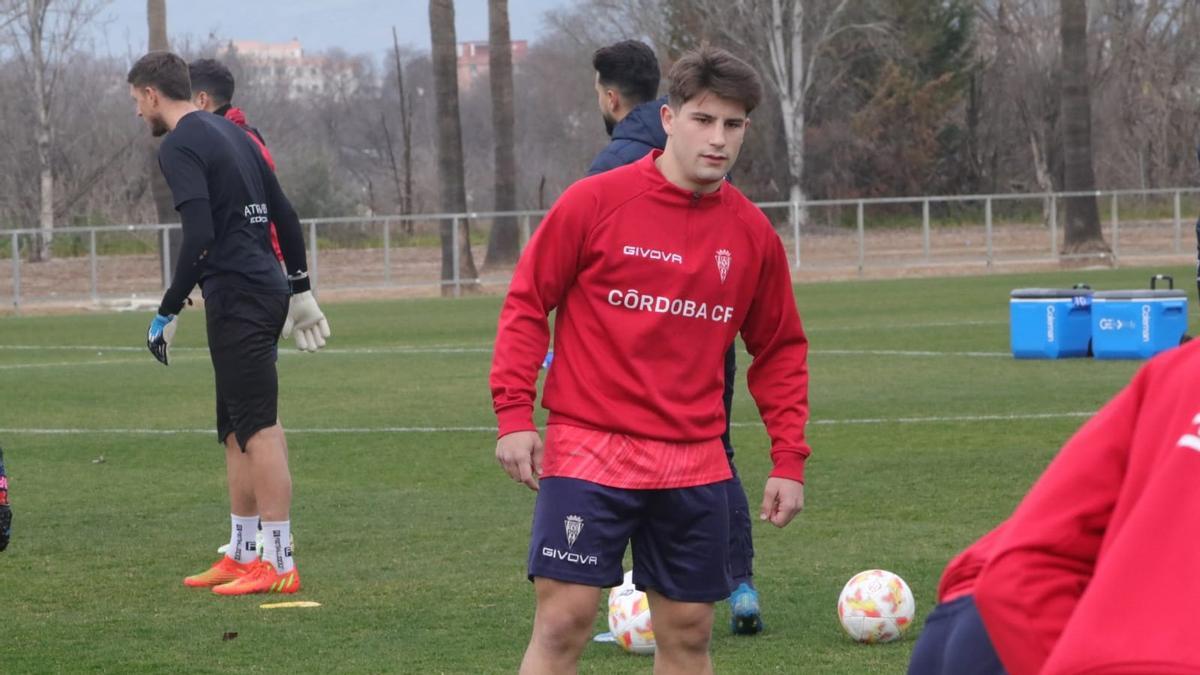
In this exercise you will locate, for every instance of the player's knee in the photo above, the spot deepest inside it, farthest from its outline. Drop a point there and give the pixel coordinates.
(688, 629)
(563, 628)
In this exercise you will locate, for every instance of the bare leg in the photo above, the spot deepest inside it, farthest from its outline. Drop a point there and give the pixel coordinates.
(267, 452)
(682, 631)
(240, 476)
(561, 626)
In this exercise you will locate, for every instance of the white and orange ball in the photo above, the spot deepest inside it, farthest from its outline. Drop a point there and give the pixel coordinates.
(629, 618)
(876, 606)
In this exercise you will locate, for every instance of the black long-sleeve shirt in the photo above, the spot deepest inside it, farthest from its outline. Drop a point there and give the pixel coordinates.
(226, 195)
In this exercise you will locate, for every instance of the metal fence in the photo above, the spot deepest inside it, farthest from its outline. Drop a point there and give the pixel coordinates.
(128, 264)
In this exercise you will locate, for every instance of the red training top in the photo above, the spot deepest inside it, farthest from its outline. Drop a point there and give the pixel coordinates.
(958, 579)
(1092, 573)
(650, 284)
(238, 117)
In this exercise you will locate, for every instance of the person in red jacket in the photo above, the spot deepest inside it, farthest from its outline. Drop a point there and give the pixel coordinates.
(212, 91)
(954, 641)
(651, 269)
(1091, 572)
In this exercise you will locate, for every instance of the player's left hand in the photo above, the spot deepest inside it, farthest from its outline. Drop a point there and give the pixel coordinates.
(160, 335)
(307, 321)
(782, 500)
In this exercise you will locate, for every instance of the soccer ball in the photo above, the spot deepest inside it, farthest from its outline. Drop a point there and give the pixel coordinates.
(876, 606)
(629, 618)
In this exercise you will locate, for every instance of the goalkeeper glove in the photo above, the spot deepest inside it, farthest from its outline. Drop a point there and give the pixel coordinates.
(160, 336)
(306, 320)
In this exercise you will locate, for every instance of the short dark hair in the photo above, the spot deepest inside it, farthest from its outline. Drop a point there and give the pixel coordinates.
(718, 72)
(166, 72)
(631, 67)
(211, 76)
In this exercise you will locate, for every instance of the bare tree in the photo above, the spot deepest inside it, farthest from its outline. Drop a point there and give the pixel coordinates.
(45, 34)
(790, 40)
(450, 151)
(504, 245)
(1083, 234)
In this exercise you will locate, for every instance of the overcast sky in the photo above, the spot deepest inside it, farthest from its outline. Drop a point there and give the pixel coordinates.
(357, 26)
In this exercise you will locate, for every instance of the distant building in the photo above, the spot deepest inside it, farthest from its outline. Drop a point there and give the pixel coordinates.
(473, 62)
(284, 64)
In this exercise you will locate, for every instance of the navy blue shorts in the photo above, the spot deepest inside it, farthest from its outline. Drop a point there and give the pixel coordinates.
(954, 642)
(680, 537)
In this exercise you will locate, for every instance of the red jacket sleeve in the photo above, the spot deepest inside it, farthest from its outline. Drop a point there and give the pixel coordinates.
(545, 272)
(1046, 556)
(778, 376)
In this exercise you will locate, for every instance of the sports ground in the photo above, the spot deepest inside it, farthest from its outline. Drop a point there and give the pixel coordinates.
(925, 434)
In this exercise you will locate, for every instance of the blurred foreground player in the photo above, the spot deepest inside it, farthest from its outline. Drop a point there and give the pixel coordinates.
(1092, 573)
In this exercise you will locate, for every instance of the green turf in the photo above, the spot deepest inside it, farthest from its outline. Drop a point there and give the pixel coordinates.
(414, 542)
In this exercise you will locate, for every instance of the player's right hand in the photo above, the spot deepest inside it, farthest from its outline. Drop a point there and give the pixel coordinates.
(520, 453)
(307, 321)
(160, 335)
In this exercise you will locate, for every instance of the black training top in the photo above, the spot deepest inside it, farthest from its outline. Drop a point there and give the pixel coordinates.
(227, 196)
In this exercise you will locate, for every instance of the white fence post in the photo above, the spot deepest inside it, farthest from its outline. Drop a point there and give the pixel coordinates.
(455, 257)
(987, 217)
(92, 263)
(795, 209)
(1053, 226)
(1178, 224)
(925, 229)
(387, 251)
(16, 263)
(862, 244)
(1116, 230)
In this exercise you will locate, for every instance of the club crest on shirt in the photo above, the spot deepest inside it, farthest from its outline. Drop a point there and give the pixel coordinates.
(574, 525)
(724, 257)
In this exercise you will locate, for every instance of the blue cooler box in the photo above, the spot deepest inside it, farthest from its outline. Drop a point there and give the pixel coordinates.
(1050, 323)
(1137, 324)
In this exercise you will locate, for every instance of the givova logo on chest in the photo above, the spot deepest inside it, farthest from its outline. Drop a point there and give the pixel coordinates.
(653, 254)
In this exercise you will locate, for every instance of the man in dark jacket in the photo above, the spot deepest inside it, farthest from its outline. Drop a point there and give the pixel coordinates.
(627, 78)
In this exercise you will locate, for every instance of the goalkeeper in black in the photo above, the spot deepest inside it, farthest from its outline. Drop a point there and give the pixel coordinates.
(226, 196)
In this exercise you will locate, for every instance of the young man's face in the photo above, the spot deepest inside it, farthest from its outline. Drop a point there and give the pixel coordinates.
(146, 101)
(705, 136)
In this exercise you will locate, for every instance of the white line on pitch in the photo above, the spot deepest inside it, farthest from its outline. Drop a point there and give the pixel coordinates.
(456, 350)
(491, 429)
(900, 352)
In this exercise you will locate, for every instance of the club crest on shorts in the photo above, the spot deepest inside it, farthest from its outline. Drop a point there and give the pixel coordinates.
(574, 525)
(724, 257)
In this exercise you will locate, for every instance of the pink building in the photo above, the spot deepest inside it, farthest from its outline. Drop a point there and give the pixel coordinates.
(473, 61)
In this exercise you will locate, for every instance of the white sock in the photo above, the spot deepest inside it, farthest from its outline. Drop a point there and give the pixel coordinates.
(242, 548)
(277, 547)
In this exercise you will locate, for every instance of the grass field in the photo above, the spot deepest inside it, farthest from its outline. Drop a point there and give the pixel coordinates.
(925, 434)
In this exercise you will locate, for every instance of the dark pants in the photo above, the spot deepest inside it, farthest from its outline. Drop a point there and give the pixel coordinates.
(954, 642)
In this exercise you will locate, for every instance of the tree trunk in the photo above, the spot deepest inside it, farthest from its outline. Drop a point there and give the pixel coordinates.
(164, 206)
(450, 153)
(43, 133)
(786, 49)
(504, 245)
(405, 189)
(1083, 234)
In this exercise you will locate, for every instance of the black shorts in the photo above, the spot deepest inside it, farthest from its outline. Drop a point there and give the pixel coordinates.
(243, 334)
